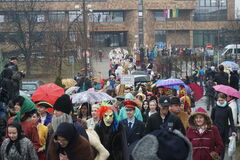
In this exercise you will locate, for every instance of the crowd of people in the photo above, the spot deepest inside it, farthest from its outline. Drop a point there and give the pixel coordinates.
(143, 123)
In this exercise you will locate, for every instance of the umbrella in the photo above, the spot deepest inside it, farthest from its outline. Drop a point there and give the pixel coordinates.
(230, 65)
(91, 97)
(197, 90)
(227, 90)
(48, 92)
(71, 89)
(169, 82)
(68, 83)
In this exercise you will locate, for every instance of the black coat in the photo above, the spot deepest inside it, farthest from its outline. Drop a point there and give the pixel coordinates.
(221, 116)
(221, 78)
(135, 133)
(234, 81)
(171, 122)
(114, 141)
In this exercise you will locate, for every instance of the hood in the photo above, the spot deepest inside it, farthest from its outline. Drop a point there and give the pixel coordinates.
(203, 112)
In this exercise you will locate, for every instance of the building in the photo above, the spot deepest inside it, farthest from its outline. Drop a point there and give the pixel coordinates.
(123, 23)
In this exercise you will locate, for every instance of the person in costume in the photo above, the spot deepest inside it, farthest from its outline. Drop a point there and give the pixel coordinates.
(111, 133)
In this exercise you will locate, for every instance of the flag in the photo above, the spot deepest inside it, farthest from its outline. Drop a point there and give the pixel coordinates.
(174, 13)
(168, 13)
(177, 13)
(165, 13)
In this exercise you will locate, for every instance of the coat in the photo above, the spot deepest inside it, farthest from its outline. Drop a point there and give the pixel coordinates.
(234, 80)
(135, 133)
(205, 143)
(221, 116)
(27, 150)
(233, 105)
(114, 141)
(79, 150)
(221, 78)
(48, 119)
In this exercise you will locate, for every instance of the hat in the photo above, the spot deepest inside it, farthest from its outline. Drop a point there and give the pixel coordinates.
(44, 104)
(129, 96)
(161, 145)
(175, 100)
(95, 106)
(199, 111)
(164, 101)
(63, 104)
(130, 104)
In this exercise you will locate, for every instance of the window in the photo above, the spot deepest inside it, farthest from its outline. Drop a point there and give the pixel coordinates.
(56, 16)
(1, 18)
(75, 16)
(160, 36)
(159, 15)
(111, 16)
(40, 18)
(16, 17)
(72, 36)
(201, 38)
(109, 39)
(211, 10)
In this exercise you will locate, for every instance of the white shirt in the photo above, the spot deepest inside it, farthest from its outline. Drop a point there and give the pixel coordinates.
(132, 121)
(43, 119)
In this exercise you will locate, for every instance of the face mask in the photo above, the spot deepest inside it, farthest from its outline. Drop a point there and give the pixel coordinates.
(222, 105)
(108, 118)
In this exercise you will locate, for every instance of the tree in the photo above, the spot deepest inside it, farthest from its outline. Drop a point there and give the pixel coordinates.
(25, 28)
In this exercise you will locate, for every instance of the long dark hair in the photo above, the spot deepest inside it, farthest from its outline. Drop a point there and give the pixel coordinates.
(88, 110)
(17, 141)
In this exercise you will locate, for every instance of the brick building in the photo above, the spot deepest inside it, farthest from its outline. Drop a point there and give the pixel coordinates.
(123, 23)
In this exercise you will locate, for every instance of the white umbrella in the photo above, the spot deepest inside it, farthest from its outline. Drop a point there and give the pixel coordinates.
(91, 97)
(71, 89)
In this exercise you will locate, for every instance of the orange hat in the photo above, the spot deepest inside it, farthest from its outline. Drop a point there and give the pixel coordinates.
(130, 104)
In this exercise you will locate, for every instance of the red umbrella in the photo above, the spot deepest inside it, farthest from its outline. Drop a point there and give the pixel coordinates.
(48, 92)
(197, 90)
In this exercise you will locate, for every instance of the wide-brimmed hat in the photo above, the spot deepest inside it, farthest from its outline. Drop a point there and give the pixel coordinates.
(200, 111)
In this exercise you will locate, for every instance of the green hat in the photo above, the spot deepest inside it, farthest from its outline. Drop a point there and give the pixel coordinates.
(27, 106)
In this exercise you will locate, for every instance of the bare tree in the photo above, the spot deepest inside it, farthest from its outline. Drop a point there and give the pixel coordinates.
(26, 27)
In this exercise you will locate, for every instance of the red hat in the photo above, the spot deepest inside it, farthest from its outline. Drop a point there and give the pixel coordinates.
(130, 104)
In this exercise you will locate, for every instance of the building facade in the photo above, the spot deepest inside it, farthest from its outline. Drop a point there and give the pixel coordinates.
(123, 23)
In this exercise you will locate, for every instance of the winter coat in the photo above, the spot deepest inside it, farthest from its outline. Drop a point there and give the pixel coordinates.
(234, 80)
(27, 150)
(221, 78)
(184, 118)
(233, 105)
(204, 143)
(221, 116)
(7, 84)
(171, 122)
(123, 114)
(79, 150)
(114, 141)
(30, 131)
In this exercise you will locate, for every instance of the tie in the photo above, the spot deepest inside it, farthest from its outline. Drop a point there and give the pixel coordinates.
(129, 125)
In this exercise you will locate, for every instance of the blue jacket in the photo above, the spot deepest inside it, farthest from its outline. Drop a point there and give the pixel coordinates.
(47, 120)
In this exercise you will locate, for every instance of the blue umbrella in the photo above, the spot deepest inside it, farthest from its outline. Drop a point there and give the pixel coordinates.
(230, 65)
(169, 82)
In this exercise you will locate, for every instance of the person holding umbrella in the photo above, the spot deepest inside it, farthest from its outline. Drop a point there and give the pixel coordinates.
(221, 115)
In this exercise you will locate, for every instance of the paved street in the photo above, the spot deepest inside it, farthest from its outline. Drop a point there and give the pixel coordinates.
(102, 67)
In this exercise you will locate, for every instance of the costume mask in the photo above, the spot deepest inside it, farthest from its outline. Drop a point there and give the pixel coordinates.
(108, 118)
